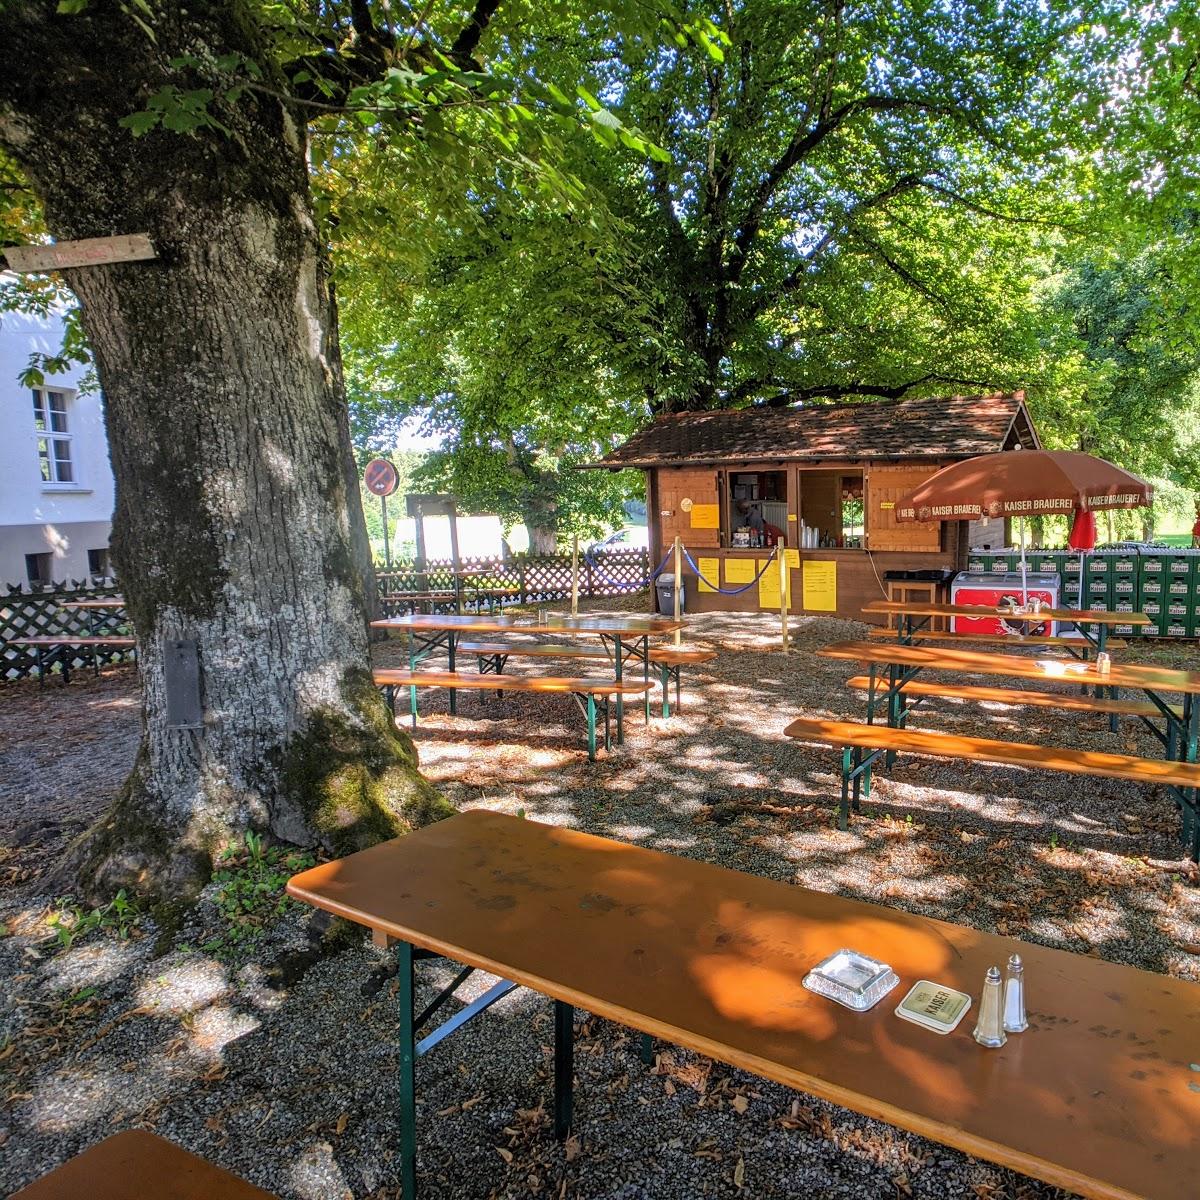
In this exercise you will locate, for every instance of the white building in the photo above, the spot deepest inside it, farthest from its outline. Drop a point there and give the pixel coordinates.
(56, 484)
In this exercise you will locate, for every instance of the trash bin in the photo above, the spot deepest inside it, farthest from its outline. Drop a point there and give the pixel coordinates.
(664, 586)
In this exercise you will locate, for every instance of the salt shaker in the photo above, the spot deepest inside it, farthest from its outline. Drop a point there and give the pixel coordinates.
(989, 1029)
(1103, 662)
(1014, 996)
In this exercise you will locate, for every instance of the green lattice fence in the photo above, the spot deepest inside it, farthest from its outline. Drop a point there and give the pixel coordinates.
(533, 578)
(39, 611)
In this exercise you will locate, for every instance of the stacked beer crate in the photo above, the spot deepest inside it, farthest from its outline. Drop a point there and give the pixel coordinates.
(1162, 582)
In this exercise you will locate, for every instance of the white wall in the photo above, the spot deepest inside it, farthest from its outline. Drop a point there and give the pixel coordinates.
(64, 519)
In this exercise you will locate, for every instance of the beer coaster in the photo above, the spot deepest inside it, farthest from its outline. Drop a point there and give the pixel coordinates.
(934, 1006)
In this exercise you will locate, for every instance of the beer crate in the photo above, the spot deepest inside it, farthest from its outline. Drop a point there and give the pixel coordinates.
(1181, 565)
(1123, 630)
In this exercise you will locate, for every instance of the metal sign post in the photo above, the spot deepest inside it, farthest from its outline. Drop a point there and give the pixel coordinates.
(381, 479)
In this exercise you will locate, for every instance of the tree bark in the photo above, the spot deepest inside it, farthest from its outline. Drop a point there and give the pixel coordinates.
(238, 523)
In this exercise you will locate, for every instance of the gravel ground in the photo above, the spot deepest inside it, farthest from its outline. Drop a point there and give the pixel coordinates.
(281, 1064)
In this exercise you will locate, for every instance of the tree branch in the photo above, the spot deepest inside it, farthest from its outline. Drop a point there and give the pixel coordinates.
(804, 141)
(835, 391)
(468, 38)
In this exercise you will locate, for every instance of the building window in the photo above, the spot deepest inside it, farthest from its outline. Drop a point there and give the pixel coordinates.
(98, 562)
(37, 568)
(53, 436)
(831, 509)
(757, 508)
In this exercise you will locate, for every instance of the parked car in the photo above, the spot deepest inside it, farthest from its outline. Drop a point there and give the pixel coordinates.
(632, 537)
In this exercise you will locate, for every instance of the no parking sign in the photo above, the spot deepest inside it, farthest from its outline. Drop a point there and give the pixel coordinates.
(380, 477)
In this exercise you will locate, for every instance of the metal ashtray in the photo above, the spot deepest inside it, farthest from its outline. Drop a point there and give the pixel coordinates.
(855, 980)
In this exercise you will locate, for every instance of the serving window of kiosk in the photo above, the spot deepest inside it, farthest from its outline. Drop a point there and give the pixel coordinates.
(757, 507)
(832, 512)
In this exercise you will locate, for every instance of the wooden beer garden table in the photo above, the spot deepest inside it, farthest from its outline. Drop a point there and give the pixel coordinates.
(1101, 1095)
(629, 638)
(137, 1165)
(908, 626)
(904, 662)
(95, 609)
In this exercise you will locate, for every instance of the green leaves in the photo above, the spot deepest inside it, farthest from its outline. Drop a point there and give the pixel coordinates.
(176, 110)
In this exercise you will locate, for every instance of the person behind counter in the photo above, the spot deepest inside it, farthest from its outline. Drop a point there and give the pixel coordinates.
(751, 518)
(762, 532)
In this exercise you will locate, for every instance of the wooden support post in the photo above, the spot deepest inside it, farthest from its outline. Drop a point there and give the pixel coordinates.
(781, 550)
(678, 585)
(575, 576)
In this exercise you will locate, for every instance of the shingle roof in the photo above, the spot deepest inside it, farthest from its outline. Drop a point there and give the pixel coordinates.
(939, 427)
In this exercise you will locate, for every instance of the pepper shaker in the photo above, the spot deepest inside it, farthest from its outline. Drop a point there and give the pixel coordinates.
(1014, 996)
(989, 1029)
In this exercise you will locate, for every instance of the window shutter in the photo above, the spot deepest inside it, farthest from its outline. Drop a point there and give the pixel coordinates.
(885, 486)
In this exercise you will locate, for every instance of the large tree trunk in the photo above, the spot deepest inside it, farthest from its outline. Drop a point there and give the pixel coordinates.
(238, 522)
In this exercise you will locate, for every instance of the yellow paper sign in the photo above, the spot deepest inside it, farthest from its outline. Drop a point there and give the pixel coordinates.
(792, 557)
(887, 504)
(710, 569)
(739, 570)
(768, 586)
(820, 586)
(706, 516)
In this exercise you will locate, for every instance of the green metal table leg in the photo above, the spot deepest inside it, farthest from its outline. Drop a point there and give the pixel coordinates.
(412, 666)
(564, 1067)
(666, 689)
(591, 720)
(893, 710)
(453, 691)
(619, 655)
(646, 677)
(844, 809)
(647, 1049)
(408, 1068)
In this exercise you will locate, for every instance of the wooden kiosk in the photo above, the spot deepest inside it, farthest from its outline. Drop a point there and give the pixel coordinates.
(836, 469)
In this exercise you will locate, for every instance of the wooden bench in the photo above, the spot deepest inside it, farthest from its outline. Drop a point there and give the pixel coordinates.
(981, 693)
(136, 1165)
(852, 737)
(48, 649)
(1093, 1097)
(669, 660)
(588, 692)
(995, 639)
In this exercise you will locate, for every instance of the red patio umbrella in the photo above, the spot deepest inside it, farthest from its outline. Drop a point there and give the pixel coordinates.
(1083, 531)
(1024, 483)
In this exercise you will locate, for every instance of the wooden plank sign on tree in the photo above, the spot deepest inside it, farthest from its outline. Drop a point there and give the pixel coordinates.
(87, 252)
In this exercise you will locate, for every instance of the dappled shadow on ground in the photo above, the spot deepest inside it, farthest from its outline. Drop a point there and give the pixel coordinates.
(295, 1088)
